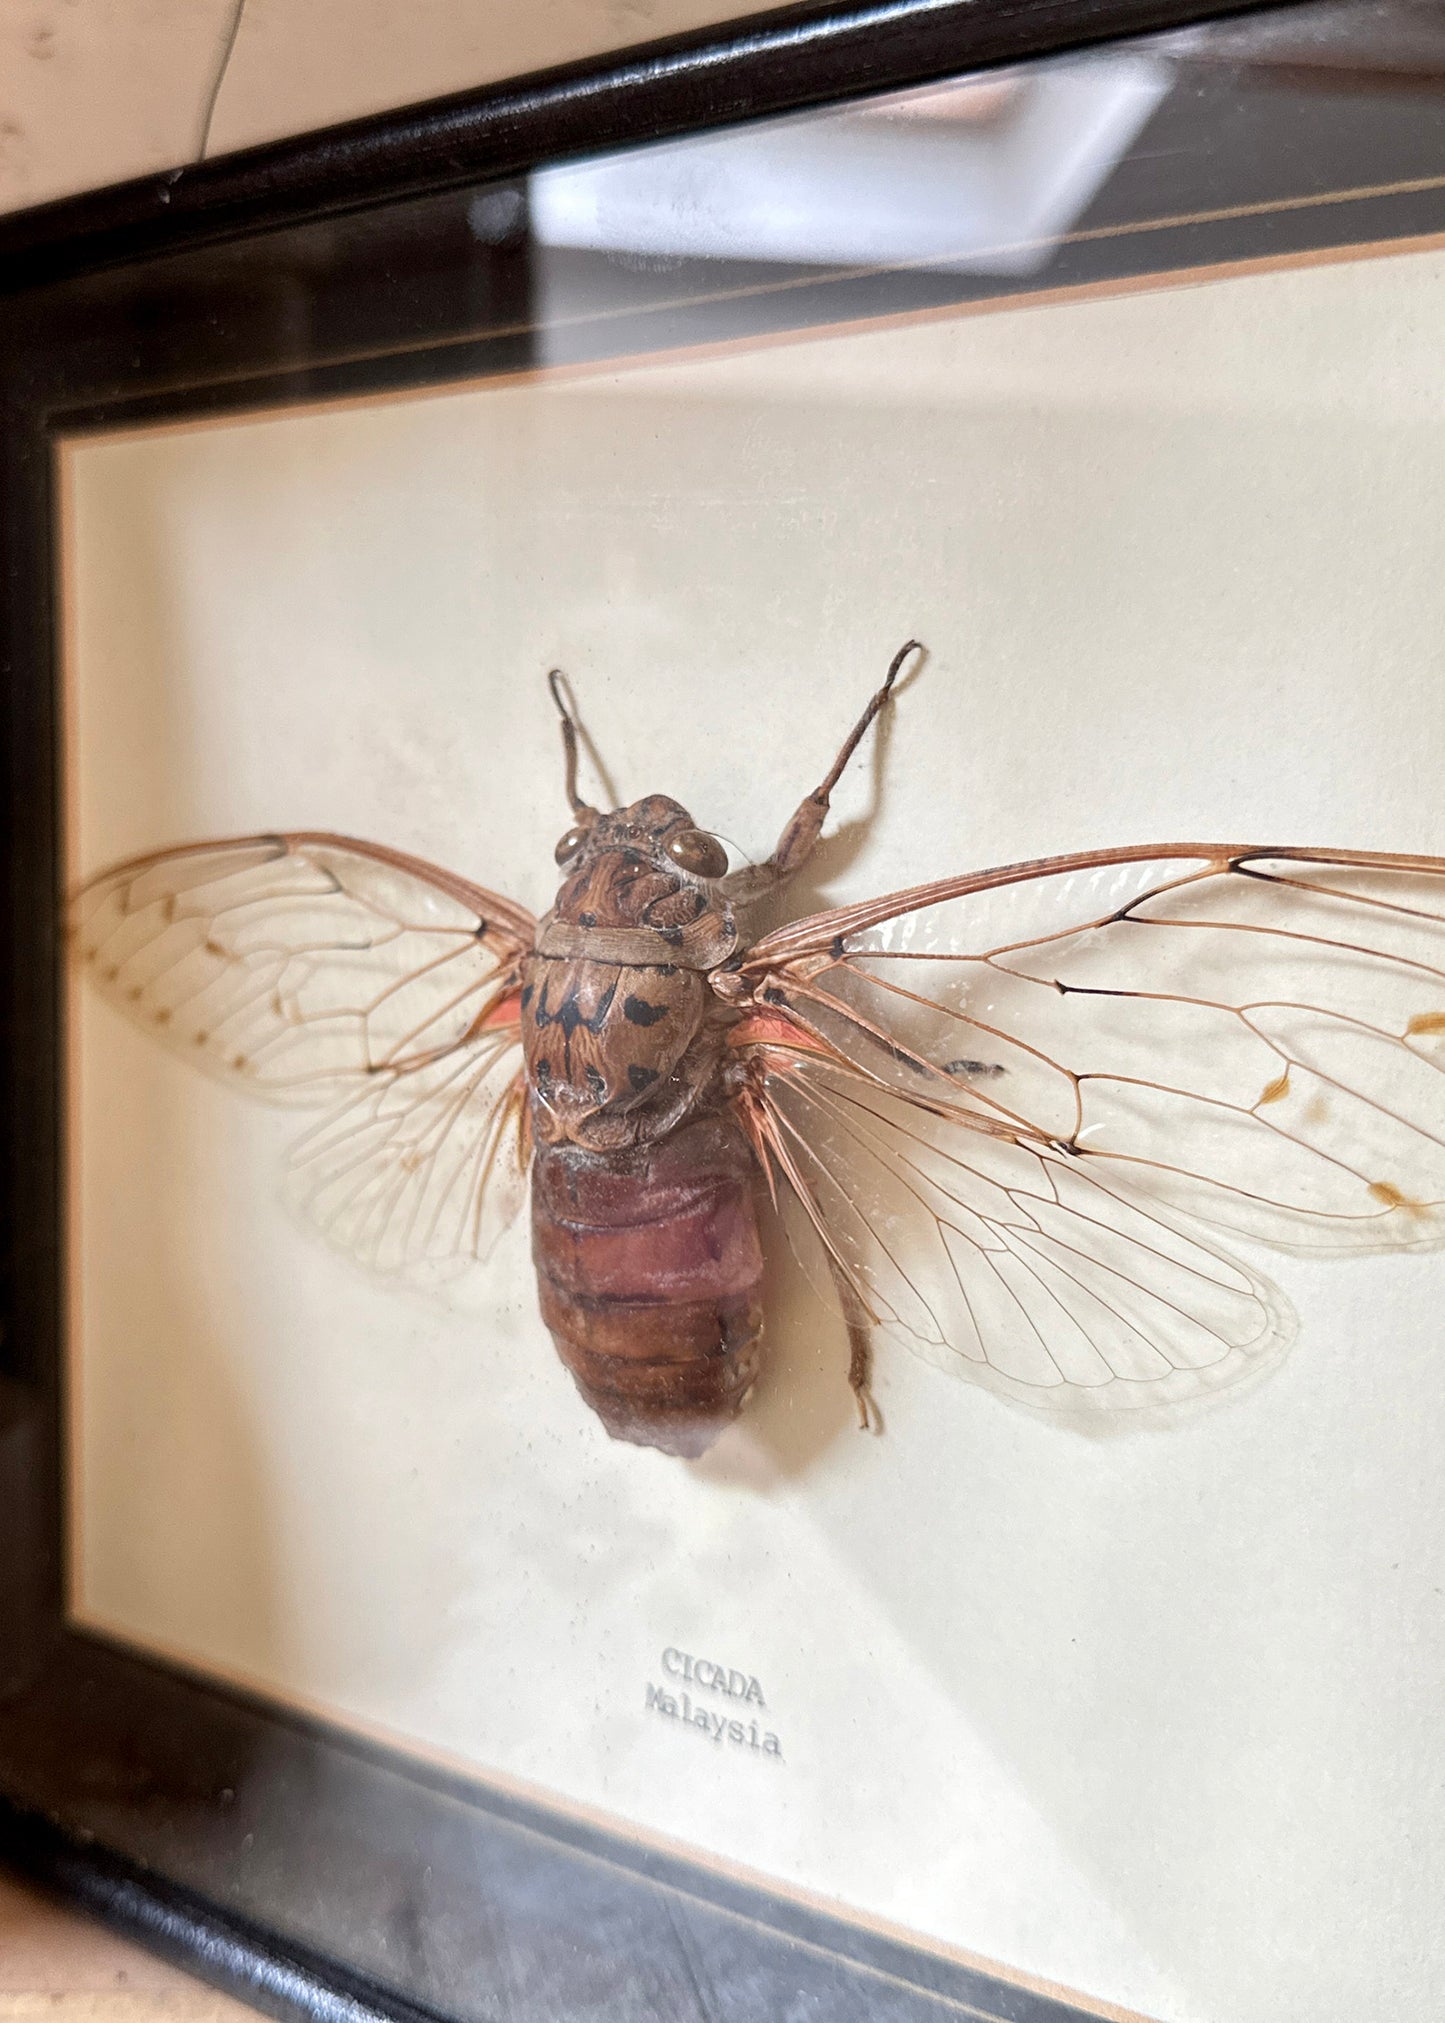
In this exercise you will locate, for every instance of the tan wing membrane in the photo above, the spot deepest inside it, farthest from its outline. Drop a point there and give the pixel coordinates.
(299, 965)
(1005, 1262)
(423, 1168)
(1257, 1036)
(316, 970)
(1008, 1102)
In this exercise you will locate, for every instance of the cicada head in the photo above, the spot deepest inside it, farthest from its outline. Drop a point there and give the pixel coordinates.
(647, 865)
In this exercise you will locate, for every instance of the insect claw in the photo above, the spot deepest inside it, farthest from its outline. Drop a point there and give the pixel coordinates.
(908, 646)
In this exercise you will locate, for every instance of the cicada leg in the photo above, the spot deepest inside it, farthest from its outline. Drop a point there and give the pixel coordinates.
(803, 828)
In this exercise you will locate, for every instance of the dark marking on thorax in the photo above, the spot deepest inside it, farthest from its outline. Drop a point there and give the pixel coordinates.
(569, 1015)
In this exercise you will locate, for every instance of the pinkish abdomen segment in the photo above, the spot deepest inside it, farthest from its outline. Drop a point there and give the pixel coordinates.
(649, 1271)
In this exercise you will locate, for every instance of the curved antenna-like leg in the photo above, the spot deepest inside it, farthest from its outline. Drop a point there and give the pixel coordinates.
(805, 825)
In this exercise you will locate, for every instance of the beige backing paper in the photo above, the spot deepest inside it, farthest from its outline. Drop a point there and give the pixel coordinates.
(1152, 1714)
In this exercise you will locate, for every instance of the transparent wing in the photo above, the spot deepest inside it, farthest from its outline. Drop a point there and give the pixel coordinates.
(317, 970)
(425, 1166)
(1010, 1103)
(1256, 1036)
(1005, 1261)
(298, 964)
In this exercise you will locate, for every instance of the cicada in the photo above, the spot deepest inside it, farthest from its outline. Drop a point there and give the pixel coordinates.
(1021, 1116)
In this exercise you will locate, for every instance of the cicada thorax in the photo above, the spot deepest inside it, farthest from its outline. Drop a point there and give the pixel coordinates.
(604, 1042)
(643, 1228)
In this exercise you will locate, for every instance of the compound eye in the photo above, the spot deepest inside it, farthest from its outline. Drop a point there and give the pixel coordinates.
(570, 844)
(695, 851)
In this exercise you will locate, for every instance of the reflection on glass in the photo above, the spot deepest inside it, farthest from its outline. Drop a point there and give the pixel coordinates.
(979, 176)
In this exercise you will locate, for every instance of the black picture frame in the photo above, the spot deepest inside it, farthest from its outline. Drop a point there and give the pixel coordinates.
(307, 1870)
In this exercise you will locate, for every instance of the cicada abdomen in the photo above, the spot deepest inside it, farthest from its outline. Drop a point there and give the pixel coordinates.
(649, 1273)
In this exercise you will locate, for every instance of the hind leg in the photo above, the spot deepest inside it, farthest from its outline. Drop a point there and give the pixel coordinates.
(860, 1347)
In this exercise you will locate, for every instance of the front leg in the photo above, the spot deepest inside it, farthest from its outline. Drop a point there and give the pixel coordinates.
(803, 828)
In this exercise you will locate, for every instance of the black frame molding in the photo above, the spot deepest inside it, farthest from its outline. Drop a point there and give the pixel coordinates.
(766, 63)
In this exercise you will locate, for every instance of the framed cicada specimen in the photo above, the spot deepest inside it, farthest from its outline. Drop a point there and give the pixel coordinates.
(1247, 1032)
(653, 1376)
